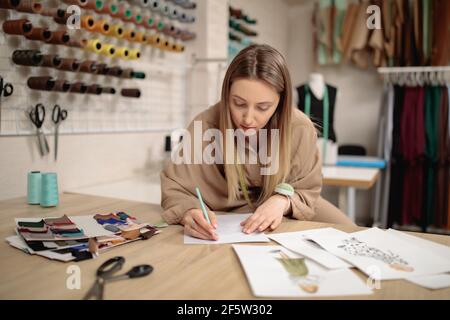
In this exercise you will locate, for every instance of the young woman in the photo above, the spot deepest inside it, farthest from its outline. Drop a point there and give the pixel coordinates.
(256, 101)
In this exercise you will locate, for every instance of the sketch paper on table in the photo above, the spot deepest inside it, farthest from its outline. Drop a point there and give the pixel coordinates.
(437, 281)
(381, 255)
(437, 248)
(229, 230)
(298, 242)
(434, 282)
(268, 277)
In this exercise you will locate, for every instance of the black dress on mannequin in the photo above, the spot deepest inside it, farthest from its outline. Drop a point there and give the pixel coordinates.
(317, 108)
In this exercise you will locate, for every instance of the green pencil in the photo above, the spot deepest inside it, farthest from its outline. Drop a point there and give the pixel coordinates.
(202, 204)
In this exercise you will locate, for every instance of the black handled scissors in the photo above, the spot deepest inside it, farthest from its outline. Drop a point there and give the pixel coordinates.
(37, 117)
(58, 115)
(6, 89)
(105, 273)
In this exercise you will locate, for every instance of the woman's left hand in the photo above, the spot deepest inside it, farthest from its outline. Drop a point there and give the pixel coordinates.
(267, 215)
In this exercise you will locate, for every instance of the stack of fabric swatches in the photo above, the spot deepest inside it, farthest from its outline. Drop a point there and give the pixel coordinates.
(77, 238)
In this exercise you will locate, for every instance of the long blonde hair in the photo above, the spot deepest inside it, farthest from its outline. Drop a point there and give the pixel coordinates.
(260, 62)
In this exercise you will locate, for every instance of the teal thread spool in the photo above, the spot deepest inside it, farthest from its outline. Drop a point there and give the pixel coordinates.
(49, 189)
(34, 187)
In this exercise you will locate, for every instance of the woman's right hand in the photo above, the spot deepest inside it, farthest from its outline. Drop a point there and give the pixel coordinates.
(196, 225)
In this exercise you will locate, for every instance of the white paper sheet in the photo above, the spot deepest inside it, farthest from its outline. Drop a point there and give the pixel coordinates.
(383, 256)
(268, 277)
(297, 242)
(437, 248)
(433, 282)
(229, 230)
(90, 226)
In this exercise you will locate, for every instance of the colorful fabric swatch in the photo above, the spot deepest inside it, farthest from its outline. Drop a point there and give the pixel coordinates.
(58, 221)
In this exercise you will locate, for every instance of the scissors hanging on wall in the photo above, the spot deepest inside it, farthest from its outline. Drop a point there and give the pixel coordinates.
(37, 117)
(6, 89)
(58, 115)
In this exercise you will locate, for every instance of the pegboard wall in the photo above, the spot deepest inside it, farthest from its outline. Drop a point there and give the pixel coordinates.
(161, 106)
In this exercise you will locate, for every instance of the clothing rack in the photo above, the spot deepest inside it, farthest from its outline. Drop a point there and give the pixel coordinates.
(416, 76)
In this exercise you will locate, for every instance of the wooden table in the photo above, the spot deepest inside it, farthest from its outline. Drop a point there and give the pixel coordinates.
(349, 179)
(180, 271)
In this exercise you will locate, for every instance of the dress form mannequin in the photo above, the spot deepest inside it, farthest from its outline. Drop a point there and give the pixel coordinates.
(317, 85)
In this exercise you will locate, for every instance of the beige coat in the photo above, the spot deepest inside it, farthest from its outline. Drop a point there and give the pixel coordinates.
(178, 182)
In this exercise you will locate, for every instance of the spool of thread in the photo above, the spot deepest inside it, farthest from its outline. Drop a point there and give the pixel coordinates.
(102, 26)
(138, 75)
(27, 57)
(39, 34)
(34, 187)
(60, 16)
(127, 15)
(155, 5)
(51, 61)
(131, 93)
(77, 43)
(9, 4)
(68, 64)
(117, 30)
(110, 8)
(141, 37)
(134, 54)
(108, 50)
(59, 37)
(179, 47)
(127, 73)
(81, 3)
(78, 87)
(29, 6)
(115, 71)
(61, 86)
(159, 42)
(88, 23)
(109, 90)
(120, 10)
(94, 5)
(88, 66)
(41, 83)
(149, 22)
(17, 27)
(130, 34)
(94, 45)
(94, 89)
(49, 190)
(122, 53)
(138, 19)
(102, 68)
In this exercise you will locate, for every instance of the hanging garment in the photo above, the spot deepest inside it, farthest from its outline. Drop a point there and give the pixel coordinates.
(397, 162)
(385, 127)
(317, 108)
(412, 136)
(324, 32)
(442, 165)
(426, 31)
(338, 23)
(357, 50)
(440, 46)
(418, 36)
(347, 29)
(448, 159)
(432, 105)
